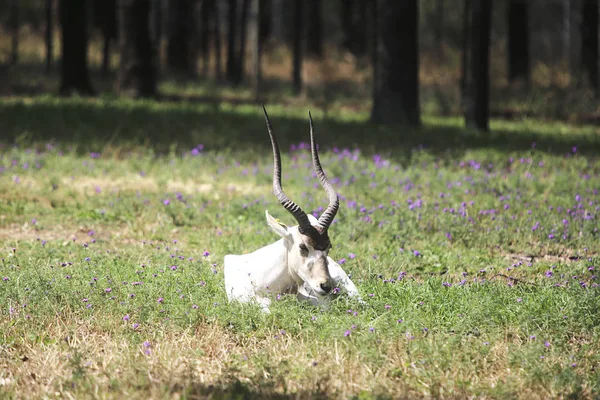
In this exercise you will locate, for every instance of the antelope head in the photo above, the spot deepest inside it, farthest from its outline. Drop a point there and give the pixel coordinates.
(307, 244)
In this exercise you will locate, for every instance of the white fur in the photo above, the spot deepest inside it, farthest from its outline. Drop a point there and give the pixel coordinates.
(278, 268)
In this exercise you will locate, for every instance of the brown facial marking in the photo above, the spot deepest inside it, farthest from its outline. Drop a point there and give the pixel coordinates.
(318, 242)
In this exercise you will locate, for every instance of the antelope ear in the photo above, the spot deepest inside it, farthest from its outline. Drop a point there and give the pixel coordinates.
(278, 227)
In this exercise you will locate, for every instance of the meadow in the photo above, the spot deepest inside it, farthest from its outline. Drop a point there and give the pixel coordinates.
(476, 254)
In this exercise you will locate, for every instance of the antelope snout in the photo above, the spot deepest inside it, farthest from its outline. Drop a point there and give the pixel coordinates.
(325, 287)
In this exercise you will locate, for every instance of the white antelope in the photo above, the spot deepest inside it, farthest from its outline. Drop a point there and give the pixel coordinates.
(298, 263)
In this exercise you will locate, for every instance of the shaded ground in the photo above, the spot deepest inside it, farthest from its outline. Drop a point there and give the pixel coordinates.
(102, 124)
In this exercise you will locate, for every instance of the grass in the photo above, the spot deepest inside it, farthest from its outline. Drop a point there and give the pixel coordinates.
(477, 255)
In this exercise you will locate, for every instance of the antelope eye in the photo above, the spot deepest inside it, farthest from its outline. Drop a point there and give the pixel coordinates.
(303, 250)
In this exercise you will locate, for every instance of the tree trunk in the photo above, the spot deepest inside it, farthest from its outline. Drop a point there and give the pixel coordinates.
(478, 80)
(217, 38)
(438, 29)
(360, 29)
(180, 36)
(396, 77)
(241, 57)
(255, 23)
(346, 15)
(314, 39)
(589, 43)
(49, 36)
(74, 37)
(137, 75)
(205, 31)
(464, 62)
(231, 41)
(266, 24)
(518, 40)
(105, 18)
(14, 27)
(297, 62)
(566, 33)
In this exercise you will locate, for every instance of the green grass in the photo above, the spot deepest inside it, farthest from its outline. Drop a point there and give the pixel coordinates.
(476, 255)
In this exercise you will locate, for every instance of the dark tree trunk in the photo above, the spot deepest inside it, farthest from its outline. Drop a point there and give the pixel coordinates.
(589, 42)
(314, 38)
(360, 28)
(74, 37)
(518, 40)
(137, 75)
(217, 38)
(14, 28)
(105, 15)
(255, 22)
(266, 25)
(180, 36)
(297, 62)
(49, 36)
(464, 62)
(478, 79)
(438, 29)
(241, 57)
(347, 13)
(231, 41)
(396, 72)
(205, 31)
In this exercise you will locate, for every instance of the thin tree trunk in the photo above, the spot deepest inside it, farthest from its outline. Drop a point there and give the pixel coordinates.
(589, 43)
(217, 38)
(464, 62)
(346, 15)
(518, 40)
(231, 41)
(478, 80)
(361, 33)
(180, 36)
(438, 29)
(241, 57)
(14, 27)
(106, 55)
(74, 37)
(49, 36)
(314, 38)
(396, 94)
(566, 39)
(205, 32)
(137, 76)
(297, 62)
(255, 23)
(266, 23)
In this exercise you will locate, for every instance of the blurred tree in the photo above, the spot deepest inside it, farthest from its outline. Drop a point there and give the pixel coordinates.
(74, 74)
(137, 74)
(314, 40)
(180, 36)
(232, 54)
(464, 61)
(518, 40)
(396, 64)
(14, 29)
(438, 28)
(297, 46)
(105, 18)
(205, 33)
(216, 34)
(255, 26)
(241, 57)
(49, 39)
(266, 25)
(589, 43)
(477, 77)
(353, 19)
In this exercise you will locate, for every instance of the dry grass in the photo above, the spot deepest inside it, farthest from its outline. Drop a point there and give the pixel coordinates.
(74, 357)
